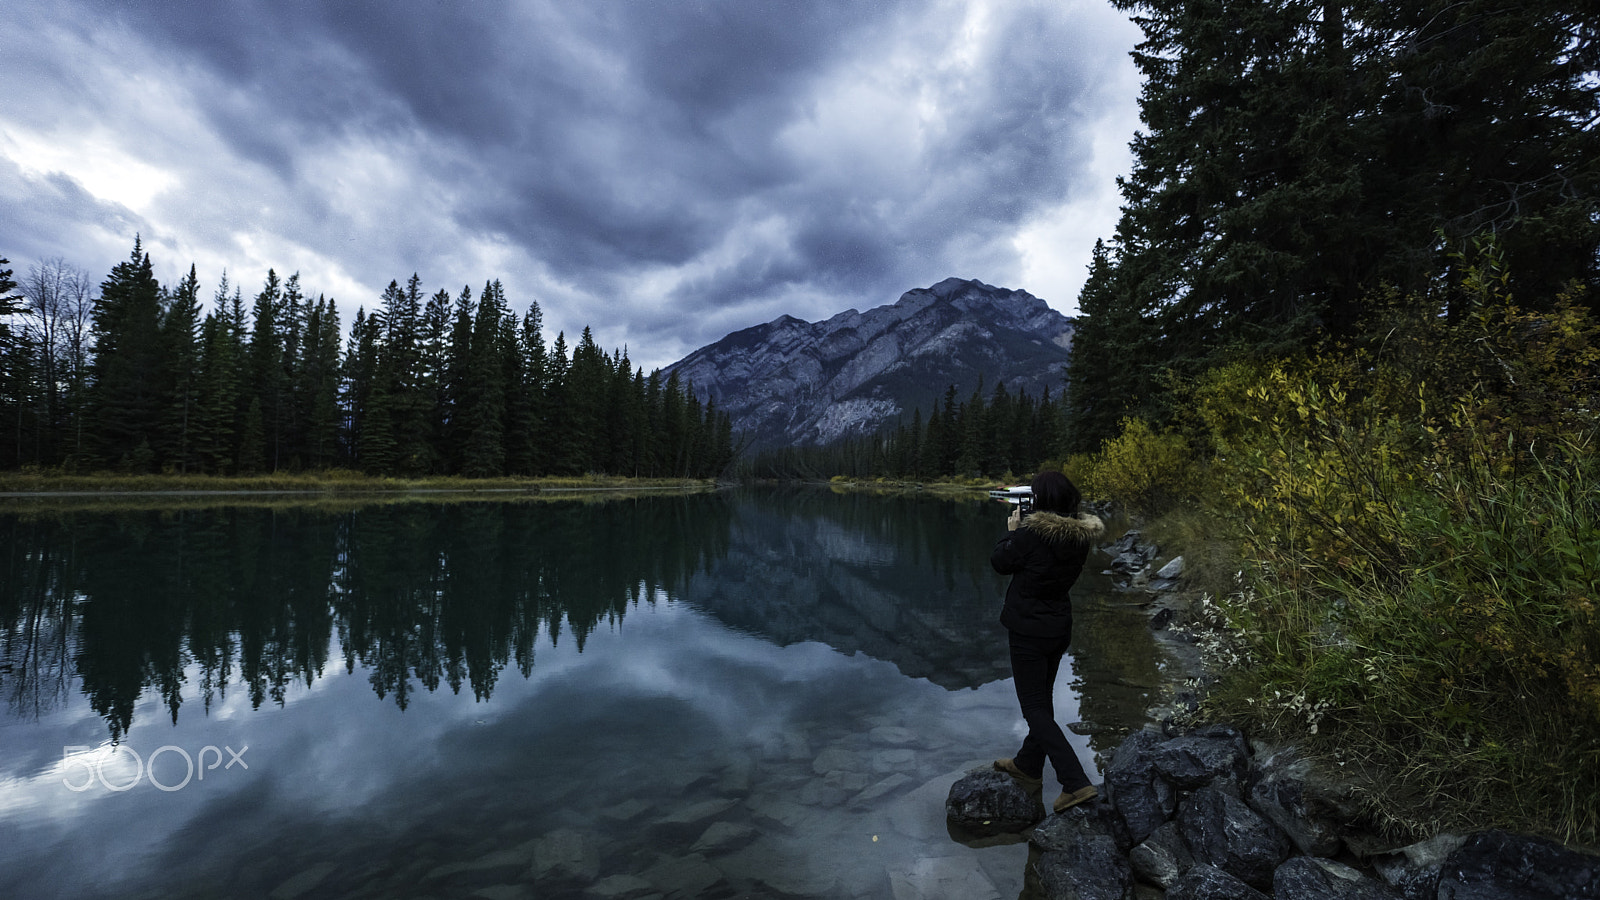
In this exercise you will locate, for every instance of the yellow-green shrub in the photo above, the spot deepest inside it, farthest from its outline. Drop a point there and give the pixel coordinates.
(1145, 471)
(1423, 523)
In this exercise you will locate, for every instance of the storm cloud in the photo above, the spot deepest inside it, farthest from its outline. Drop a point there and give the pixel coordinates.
(666, 172)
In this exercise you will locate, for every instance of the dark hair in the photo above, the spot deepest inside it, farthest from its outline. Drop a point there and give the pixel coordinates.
(1053, 492)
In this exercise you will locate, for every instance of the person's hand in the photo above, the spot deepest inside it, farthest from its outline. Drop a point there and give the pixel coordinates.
(1013, 523)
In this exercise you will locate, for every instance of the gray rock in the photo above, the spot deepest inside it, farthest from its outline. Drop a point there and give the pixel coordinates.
(1062, 830)
(695, 816)
(1414, 870)
(1088, 868)
(1495, 865)
(1279, 792)
(893, 735)
(1169, 577)
(1310, 878)
(504, 892)
(1205, 882)
(298, 885)
(1194, 760)
(882, 788)
(1140, 800)
(837, 759)
(566, 853)
(1162, 858)
(722, 837)
(620, 887)
(986, 802)
(940, 877)
(688, 876)
(1131, 553)
(1224, 832)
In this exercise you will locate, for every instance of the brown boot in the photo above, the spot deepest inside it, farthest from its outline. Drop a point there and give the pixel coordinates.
(1069, 799)
(1009, 766)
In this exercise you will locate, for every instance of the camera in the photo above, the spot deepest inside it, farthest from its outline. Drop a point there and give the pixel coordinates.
(1020, 497)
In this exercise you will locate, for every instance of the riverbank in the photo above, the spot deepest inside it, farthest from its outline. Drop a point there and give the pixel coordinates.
(62, 493)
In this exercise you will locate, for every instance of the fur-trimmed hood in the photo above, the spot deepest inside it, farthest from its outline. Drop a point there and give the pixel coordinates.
(1056, 528)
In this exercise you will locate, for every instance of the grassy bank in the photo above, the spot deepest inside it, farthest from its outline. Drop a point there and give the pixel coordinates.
(1402, 543)
(22, 490)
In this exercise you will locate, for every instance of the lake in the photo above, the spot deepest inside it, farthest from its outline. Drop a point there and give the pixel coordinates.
(737, 693)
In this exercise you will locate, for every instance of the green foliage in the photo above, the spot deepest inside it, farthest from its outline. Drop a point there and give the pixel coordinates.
(422, 388)
(1420, 514)
(1145, 471)
(1297, 158)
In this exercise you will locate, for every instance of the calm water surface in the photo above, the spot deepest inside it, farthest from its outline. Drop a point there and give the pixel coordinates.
(755, 693)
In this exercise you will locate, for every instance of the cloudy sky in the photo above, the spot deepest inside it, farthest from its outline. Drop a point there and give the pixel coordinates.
(666, 172)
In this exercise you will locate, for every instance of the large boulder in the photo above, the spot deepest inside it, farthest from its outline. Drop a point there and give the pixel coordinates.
(1284, 790)
(1080, 859)
(1223, 831)
(1162, 858)
(1311, 878)
(1205, 882)
(1194, 760)
(986, 802)
(1140, 799)
(1169, 578)
(1495, 865)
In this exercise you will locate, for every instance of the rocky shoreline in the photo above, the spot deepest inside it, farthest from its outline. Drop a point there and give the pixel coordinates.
(1207, 814)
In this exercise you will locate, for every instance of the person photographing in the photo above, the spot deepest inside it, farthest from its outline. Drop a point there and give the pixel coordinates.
(1044, 551)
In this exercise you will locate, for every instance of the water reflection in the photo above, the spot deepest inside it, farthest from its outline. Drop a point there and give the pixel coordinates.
(759, 693)
(418, 595)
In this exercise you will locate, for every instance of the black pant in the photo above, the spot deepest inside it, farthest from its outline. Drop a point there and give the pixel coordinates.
(1034, 664)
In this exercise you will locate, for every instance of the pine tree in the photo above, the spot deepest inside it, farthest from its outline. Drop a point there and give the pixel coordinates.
(180, 335)
(358, 381)
(318, 384)
(483, 454)
(458, 390)
(535, 386)
(266, 388)
(128, 402)
(217, 397)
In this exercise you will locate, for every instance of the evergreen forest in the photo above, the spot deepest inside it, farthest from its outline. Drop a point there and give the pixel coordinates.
(139, 377)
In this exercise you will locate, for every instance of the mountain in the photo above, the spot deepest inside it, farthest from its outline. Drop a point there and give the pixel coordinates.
(791, 382)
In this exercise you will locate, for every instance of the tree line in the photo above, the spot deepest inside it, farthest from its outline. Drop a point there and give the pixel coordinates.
(1302, 159)
(971, 438)
(139, 377)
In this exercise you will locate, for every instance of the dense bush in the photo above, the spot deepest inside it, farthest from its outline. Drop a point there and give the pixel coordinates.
(1423, 525)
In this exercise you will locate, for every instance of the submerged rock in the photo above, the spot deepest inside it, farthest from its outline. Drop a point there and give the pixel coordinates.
(936, 878)
(987, 802)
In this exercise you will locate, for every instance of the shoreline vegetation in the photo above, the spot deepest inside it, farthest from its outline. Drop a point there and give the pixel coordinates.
(24, 490)
(1396, 543)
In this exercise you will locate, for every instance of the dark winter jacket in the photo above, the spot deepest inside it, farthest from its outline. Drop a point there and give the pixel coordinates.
(1044, 556)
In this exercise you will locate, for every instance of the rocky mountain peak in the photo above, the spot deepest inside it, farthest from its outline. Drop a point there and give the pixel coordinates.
(795, 382)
